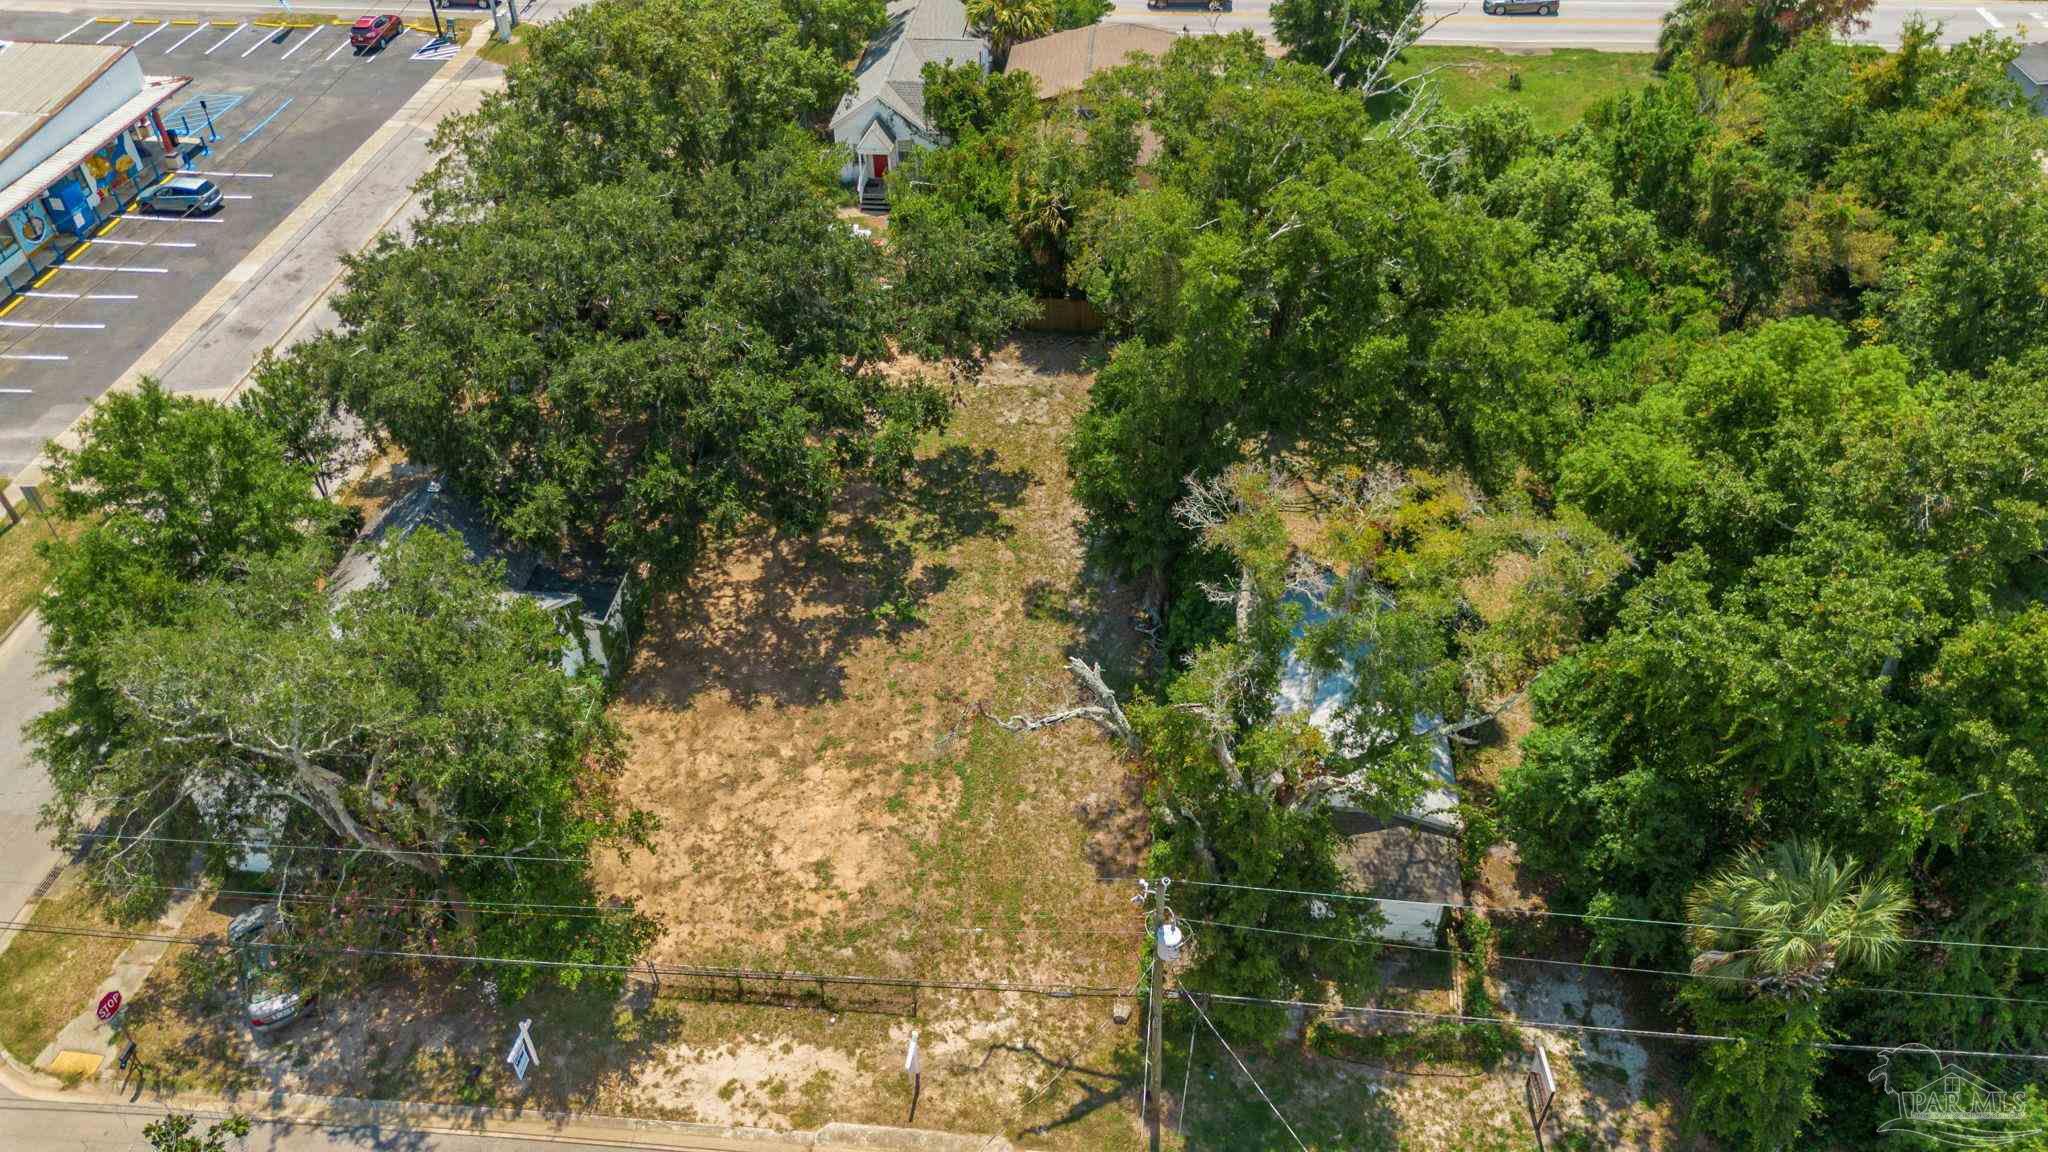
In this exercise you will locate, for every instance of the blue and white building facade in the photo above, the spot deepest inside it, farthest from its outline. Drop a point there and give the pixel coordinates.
(79, 140)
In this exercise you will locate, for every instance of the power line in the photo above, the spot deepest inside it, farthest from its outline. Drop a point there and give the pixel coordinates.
(1247, 1072)
(783, 976)
(273, 846)
(1935, 941)
(1611, 967)
(1566, 1026)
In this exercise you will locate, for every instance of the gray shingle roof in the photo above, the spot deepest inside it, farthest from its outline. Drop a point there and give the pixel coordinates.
(892, 69)
(2033, 64)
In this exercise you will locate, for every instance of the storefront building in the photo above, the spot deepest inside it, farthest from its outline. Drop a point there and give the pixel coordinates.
(79, 140)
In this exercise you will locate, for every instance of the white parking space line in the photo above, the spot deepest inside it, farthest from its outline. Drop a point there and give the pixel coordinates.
(188, 36)
(73, 32)
(146, 243)
(381, 52)
(123, 24)
(39, 294)
(236, 196)
(112, 268)
(30, 356)
(303, 43)
(42, 324)
(260, 42)
(1994, 21)
(2039, 17)
(225, 39)
(336, 52)
(141, 218)
(153, 31)
(16, 392)
(233, 175)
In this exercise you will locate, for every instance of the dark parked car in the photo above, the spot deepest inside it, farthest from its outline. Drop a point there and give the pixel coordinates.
(374, 32)
(1520, 7)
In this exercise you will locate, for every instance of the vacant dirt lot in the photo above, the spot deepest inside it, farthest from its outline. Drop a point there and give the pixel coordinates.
(803, 720)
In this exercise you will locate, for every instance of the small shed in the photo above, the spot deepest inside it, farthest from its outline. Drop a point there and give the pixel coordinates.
(2030, 71)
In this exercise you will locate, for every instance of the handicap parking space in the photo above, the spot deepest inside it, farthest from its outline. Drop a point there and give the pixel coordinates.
(277, 121)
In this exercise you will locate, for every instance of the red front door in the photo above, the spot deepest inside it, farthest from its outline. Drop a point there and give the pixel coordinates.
(881, 167)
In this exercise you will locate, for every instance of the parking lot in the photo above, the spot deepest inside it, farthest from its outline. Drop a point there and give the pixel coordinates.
(284, 106)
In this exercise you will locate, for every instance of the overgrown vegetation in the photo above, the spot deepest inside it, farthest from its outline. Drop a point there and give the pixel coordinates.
(1755, 343)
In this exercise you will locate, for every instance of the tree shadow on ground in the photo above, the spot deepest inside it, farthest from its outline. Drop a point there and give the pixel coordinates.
(1058, 354)
(771, 618)
(1099, 1087)
(432, 1034)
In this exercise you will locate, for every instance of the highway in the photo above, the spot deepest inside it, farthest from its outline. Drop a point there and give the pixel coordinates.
(1621, 25)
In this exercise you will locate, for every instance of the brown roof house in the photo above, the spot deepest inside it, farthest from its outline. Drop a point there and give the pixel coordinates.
(1063, 62)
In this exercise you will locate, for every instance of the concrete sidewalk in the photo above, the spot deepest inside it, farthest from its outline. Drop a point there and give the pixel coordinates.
(96, 1119)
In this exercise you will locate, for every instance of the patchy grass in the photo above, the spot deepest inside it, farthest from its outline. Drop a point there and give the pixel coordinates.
(509, 52)
(45, 978)
(805, 721)
(22, 571)
(1556, 86)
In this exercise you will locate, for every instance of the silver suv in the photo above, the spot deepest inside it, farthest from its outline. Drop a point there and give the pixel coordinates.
(185, 195)
(273, 1000)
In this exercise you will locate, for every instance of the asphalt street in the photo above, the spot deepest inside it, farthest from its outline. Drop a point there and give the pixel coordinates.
(37, 1126)
(1629, 25)
(287, 105)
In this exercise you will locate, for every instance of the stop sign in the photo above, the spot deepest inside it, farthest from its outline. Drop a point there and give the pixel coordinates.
(109, 1004)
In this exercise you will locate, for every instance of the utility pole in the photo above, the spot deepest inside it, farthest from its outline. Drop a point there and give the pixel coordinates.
(1155, 920)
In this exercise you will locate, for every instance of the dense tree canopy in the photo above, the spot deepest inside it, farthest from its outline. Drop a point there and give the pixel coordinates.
(632, 318)
(1758, 340)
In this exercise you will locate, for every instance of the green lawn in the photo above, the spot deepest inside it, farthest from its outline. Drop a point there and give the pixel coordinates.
(509, 53)
(1556, 86)
(22, 572)
(46, 979)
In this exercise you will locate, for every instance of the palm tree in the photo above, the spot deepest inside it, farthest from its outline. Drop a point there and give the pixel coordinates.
(1785, 918)
(1009, 22)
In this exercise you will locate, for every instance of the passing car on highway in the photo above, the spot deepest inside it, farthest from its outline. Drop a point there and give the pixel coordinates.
(1520, 7)
(374, 32)
(185, 195)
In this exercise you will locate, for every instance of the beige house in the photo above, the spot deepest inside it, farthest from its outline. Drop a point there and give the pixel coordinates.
(1063, 62)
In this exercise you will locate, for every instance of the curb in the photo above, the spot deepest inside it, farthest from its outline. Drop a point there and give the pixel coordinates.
(512, 1123)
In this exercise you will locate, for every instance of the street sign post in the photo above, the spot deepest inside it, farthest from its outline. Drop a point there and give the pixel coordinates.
(109, 1005)
(522, 1056)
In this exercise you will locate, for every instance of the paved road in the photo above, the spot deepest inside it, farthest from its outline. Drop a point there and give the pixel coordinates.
(35, 1126)
(1617, 24)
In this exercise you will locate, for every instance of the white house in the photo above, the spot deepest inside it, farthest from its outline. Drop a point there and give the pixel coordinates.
(1409, 862)
(883, 117)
